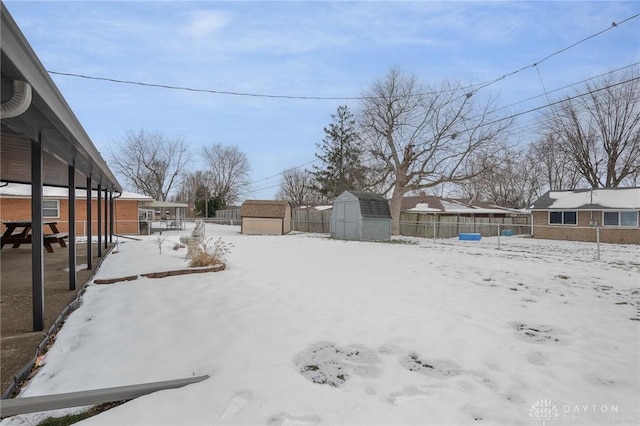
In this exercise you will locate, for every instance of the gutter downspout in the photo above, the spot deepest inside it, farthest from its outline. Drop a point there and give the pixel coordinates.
(19, 102)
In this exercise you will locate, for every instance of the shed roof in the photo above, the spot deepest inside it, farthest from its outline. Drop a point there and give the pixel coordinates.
(264, 209)
(372, 205)
(587, 199)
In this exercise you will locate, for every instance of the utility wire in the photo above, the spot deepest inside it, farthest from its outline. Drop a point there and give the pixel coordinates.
(568, 86)
(476, 87)
(535, 64)
(548, 105)
(283, 172)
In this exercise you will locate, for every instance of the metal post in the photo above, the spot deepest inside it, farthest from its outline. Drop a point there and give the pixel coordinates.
(499, 233)
(88, 233)
(106, 219)
(111, 207)
(37, 239)
(72, 227)
(434, 227)
(598, 242)
(99, 221)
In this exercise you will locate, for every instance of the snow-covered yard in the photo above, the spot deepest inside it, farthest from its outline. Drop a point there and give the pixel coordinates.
(303, 329)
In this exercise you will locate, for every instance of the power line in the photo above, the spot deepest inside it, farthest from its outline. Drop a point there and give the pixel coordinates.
(548, 105)
(192, 89)
(538, 62)
(478, 87)
(283, 172)
(569, 85)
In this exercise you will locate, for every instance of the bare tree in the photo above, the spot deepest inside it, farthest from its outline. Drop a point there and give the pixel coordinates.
(227, 171)
(424, 137)
(298, 188)
(193, 186)
(509, 179)
(554, 168)
(600, 130)
(151, 162)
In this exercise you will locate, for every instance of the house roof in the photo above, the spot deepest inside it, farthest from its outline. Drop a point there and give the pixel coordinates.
(587, 199)
(20, 190)
(264, 209)
(433, 204)
(372, 205)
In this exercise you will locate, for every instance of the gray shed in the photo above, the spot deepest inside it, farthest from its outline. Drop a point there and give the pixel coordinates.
(361, 216)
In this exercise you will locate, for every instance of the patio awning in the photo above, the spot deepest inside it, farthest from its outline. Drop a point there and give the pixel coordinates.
(163, 205)
(48, 117)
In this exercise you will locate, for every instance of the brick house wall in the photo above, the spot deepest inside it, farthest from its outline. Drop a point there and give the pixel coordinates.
(125, 216)
(583, 231)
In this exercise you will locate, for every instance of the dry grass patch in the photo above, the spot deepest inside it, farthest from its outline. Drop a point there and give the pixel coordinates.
(210, 253)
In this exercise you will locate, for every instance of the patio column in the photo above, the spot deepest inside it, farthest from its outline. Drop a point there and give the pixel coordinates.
(99, 223)
(72, 226)
(111, 216)
(89, 237)
(106, 218)
(37, 247)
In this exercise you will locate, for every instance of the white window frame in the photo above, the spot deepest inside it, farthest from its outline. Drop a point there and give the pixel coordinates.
(563, 222)
(618, 214)
(45, 209)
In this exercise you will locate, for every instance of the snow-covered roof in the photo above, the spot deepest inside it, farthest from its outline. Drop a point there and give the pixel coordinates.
(20, 190)
(423, 207)
(432, 204)
(587, 199)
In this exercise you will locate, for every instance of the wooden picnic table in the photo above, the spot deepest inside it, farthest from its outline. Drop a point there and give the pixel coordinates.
(19, 232)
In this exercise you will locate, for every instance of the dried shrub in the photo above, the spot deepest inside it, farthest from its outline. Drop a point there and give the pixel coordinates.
(210, 253)
(178, 246)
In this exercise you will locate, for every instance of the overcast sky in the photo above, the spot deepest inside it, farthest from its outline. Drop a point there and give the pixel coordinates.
(307, 49)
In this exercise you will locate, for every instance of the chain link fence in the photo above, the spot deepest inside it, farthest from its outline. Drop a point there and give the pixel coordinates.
(584, 243)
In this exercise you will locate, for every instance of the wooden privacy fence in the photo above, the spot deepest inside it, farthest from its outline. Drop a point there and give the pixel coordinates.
(306, 220)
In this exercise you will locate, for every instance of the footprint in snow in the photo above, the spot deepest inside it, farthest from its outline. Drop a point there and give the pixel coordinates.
(236, 404)
(436, 368)
(285, 419)
(407, 395)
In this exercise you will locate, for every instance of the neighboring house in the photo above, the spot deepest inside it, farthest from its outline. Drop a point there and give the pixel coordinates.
(580, 214)
(265, 217)
(361, 216)
(438, 217)
(15, 204)
(456, 207)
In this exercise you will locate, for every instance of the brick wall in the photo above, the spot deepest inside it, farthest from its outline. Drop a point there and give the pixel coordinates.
(125, 221)
(583, 231)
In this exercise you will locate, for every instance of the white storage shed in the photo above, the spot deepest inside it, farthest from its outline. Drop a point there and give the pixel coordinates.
(361, 216)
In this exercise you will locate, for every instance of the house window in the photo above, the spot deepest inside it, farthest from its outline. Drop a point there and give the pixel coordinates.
(620, 218)
(50, 208)
(563, 218)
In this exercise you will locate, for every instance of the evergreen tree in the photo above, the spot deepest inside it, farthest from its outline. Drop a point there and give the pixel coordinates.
(341, 156)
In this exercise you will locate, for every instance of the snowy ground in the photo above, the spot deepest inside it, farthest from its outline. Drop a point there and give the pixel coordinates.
(303, 329)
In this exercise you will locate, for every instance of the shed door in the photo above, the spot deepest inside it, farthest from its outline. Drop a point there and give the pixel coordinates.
(348, 220)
